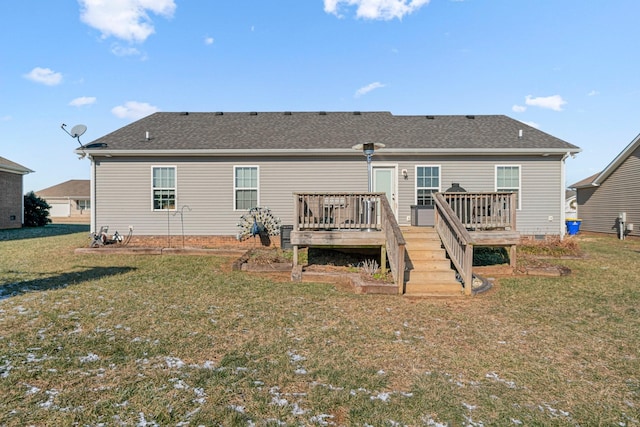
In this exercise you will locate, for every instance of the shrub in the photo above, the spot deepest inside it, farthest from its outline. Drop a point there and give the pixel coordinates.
(36, 211)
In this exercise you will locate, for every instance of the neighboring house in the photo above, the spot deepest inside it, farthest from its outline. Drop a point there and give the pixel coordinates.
(221, 164)
(11, 194)
(570, 204)
(69, 201)
(604, 196)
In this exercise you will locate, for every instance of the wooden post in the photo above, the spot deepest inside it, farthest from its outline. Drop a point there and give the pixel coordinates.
(383, 259)
(468, 267)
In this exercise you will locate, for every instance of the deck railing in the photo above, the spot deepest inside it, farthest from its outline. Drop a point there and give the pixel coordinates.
(455, 239)
(337, 211)
(484, 211)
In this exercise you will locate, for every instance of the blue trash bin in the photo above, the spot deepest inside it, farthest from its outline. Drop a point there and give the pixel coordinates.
(573, 225)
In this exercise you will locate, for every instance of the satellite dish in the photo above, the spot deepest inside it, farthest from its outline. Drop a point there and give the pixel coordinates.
(78, 130)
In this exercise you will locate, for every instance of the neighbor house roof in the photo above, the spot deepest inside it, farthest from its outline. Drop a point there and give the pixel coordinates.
(324, 132)
(7, 165)
(598, 178)
(74, 188)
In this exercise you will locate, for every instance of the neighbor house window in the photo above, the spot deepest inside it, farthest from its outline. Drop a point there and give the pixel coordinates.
(83, 205)
(245, 187)
(508, 180)
(164, 187)
(427, 183)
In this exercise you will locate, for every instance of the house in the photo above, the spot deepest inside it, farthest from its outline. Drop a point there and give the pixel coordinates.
(609, 201)
(70, 201)
(11, 193)
(570, 204)
(218, 165)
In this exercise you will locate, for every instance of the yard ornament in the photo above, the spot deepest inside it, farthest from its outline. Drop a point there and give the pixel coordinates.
(258, 222)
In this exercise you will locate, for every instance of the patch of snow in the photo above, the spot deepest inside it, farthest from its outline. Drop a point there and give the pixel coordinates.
(91, 357)
(384, 396)
(174, 362)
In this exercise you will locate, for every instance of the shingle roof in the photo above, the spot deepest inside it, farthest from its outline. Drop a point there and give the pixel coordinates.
(330, 130)
(13, 167)
(71, 188)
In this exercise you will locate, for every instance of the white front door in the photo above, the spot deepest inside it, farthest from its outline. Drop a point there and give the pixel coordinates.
(384, 181)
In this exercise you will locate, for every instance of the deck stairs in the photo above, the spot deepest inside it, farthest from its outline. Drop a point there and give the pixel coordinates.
(428, 271)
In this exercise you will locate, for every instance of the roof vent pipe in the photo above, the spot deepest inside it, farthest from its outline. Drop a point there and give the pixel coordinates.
(520, 134)
(146, 136)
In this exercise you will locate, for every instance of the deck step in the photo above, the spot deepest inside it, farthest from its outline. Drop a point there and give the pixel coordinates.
(429, 270)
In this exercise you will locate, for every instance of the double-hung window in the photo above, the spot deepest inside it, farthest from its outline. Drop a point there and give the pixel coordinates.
(508, 180)
(163, 187)
(245, 187)
(83, 204)
(427, 183)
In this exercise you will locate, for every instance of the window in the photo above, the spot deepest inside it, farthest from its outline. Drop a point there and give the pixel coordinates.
(427, 183)
(245, 187)
(164, 187)
(83, 205)
(508, 180)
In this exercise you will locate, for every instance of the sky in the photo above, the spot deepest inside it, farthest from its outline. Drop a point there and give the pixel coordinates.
(569, 68)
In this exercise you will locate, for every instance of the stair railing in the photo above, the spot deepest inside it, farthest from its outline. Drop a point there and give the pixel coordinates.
(455, 239)
(395, 243)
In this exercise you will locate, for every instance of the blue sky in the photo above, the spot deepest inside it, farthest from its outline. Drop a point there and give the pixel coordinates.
(569, 67)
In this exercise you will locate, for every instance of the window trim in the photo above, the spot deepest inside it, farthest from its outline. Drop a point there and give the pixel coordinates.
(257, 188)
(415, 182)
(175, 188)
(519, 188)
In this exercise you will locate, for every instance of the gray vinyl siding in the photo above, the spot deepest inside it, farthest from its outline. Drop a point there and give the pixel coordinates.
(599, 207)
(541, 186)
(205, 185)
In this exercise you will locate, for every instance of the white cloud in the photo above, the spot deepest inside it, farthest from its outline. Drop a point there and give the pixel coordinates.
(208, 40)
(368, 88)
(519, 108)
(6, 118)
(124, 19)
(554, 102)
(83, 100)
(45, 76)
(593, 93)
(133, 110)
(119, 50)
(375, 9)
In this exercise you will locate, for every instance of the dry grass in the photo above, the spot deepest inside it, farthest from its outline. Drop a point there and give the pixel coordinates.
(176, 340)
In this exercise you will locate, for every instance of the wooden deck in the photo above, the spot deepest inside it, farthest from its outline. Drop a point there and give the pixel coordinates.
(365, 220)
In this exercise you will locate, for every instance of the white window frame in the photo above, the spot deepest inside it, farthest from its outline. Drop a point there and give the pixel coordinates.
(235, 188)
(504, 189)
(81, 204)
(438, 189)
(174, 188)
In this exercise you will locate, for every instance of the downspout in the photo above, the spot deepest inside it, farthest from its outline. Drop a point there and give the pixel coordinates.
(563, 214)
(93, 194)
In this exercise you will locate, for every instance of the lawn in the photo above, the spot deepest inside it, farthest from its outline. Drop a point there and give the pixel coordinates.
(148, 340)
